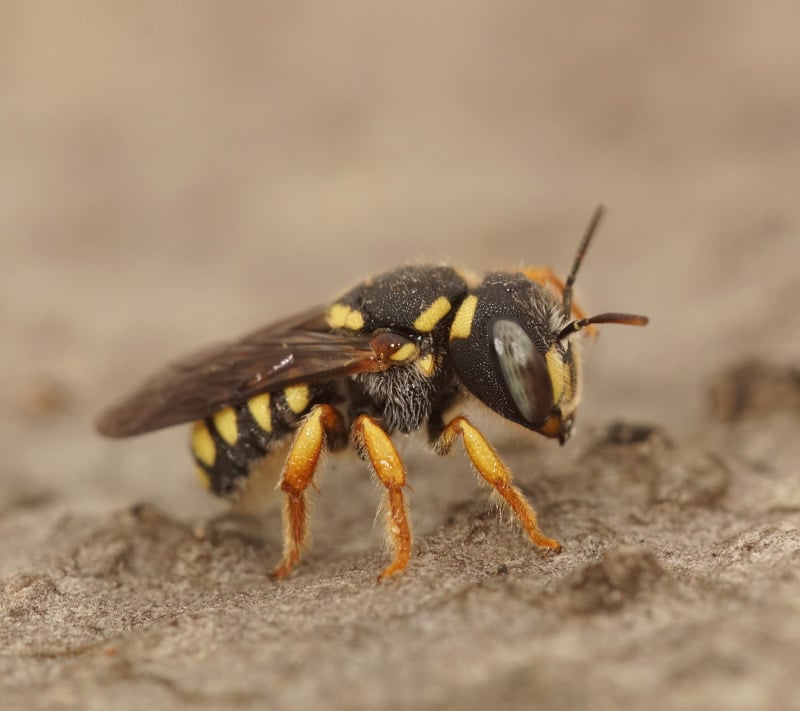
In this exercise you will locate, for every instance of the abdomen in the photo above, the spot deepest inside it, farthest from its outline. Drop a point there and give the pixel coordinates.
(227, 444)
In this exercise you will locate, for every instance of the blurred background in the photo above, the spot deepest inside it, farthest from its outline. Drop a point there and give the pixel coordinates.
(179, 173)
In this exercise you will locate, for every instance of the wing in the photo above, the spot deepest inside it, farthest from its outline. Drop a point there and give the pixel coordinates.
(300, 349)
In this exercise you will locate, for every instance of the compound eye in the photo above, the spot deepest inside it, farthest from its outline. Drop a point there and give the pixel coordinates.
(524, 371)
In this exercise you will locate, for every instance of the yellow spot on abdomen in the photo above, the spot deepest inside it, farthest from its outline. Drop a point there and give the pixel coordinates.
(203, 477)
(297, 397)
(225, 422)
(343, 316)
(203, 446)
(259, 407)
(462, 323)
(428, 319)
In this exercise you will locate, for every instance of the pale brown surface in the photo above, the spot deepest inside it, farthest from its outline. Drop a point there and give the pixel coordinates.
(177, 173)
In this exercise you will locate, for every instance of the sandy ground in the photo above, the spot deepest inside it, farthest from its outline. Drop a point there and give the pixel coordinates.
(178, 173)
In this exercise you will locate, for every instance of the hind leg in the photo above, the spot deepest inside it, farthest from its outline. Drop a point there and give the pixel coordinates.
(322, 422)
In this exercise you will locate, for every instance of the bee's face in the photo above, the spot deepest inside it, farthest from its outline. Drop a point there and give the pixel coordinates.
(505, 347)
(563, 367)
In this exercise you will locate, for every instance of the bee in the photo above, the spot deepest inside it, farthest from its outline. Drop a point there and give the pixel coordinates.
(396, 353)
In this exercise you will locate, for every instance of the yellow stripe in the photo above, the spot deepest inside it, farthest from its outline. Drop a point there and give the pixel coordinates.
(260, 410)
(203, 444)
(462, 323)
(225, 422)
(428, 319)
(297, 397)
(559, 372)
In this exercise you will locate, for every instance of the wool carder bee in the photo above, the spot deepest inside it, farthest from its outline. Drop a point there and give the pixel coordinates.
(396, 353)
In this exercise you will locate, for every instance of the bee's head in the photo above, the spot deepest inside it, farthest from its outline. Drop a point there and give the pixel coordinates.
(511, 348)
(505, 347)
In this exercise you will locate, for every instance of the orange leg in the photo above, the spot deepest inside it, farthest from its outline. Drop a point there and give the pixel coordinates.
(491, 468)
(298, 473)
(375, 444)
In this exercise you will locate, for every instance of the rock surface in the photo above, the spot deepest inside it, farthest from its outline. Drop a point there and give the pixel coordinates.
(175, 176)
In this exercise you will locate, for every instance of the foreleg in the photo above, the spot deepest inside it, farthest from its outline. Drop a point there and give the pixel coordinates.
(489, 465)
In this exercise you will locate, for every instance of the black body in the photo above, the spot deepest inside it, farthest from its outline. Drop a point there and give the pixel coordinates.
(337, 357)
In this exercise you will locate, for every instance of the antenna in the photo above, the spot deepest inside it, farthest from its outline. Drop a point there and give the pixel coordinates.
(612, 317)
(624, 319)
(582, 247)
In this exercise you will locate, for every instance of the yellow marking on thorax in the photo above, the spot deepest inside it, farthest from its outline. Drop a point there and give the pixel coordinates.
(203, 477)
(225, 422)
(426, 365)
(462, 323)
(203, 446)
(405, 352)
(297, 397)
(428, 319)
(560, 375)
(343, 316)
(260, 410)
(354, 321)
